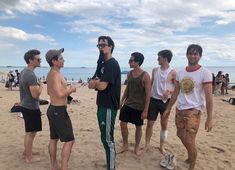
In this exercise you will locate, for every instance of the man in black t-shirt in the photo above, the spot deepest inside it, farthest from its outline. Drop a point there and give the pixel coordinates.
(108, 86)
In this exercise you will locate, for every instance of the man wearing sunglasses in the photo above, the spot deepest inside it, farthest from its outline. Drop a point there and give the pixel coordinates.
(108, 86)
(30, 90)
(135, 101)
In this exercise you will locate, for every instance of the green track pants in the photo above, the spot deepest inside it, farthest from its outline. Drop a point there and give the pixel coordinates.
(106, 119)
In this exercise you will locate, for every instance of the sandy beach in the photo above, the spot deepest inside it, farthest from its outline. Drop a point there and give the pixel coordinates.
(216, 150)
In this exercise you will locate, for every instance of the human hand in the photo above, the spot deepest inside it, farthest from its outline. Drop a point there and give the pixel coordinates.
(166, 113)
(91, 84)
(144, 115)
(208, 125)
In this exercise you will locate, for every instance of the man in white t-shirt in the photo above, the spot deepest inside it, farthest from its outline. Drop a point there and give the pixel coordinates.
(193, 91)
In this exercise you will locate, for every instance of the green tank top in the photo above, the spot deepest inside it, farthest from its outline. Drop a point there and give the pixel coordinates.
(135, 92)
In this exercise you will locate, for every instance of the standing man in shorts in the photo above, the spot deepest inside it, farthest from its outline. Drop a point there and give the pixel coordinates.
(193, 90)
(135, 101)
(163, 79)
(30, 90)
(59, 120)
(108, 97)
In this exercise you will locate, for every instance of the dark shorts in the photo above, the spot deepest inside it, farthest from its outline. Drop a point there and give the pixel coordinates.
(32, 119)
(60, 123)
(156, 106)
(128, 114)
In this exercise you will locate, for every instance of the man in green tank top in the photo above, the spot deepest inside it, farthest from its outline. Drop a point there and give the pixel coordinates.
(135, 101)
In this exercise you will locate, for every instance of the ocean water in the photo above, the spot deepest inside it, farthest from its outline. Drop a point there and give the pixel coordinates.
(76, 73)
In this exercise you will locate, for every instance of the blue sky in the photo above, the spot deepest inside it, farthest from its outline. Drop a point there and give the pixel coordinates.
(147, 26)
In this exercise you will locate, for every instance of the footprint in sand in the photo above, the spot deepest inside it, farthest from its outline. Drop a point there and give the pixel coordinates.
(218, 149)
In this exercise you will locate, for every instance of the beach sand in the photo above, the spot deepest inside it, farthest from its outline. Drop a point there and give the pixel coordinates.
(216, 150)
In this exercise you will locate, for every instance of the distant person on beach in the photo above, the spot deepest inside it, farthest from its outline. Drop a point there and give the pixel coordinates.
(108, 86)
(227, 80)
(17, 77)
(59, 120)
(218, 83)
(135, 101)
(11, 79)
(30, 90)
(193, 89)
(163, 79)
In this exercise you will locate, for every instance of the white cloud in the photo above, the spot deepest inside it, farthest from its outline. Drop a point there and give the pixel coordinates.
(14, 33)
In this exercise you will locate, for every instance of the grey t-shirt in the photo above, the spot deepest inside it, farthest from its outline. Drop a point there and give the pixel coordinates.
(28, 78)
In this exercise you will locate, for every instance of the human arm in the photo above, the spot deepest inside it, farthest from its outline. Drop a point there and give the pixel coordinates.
(172, 100)
(60, 87)
(170, 85)
(36, 90)
(209, 105)
(147, 87)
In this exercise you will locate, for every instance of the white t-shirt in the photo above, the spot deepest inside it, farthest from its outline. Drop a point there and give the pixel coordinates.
(191, 93)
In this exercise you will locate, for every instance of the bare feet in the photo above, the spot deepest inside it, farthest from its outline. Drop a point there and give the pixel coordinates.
(124, 149)
(146, 148)
(32, 159)
(34, 153)
(162, 150)
(187, 161)
(55, 166)
(137, 151)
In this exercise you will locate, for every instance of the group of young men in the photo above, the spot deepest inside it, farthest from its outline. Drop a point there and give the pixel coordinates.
(143, 98)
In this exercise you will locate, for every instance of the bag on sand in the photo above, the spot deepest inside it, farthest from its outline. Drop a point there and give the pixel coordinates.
(232, 101)
(16, 108)
(7, 84)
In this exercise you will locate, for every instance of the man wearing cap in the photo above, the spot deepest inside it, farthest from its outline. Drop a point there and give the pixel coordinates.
(30, 90)
(108, 86)
(59, 120)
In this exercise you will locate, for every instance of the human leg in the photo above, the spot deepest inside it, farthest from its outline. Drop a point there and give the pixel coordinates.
(187, 123)
(124, 131)
(52, 149)
(28, 145)
(163, 133)
(106, 120)
(65, 154)
(148, 133)
(138, 135)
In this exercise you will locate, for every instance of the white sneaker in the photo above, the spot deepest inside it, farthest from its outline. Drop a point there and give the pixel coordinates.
(172, 162)
(165, 160)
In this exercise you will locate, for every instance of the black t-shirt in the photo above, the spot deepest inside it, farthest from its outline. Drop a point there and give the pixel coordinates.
(110, 73)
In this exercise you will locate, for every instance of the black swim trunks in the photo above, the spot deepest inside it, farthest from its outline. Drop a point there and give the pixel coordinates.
(156, 106)
(32, 119)
(60, 123)
(128, 114)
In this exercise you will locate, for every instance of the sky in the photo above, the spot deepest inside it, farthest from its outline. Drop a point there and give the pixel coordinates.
(146, 26)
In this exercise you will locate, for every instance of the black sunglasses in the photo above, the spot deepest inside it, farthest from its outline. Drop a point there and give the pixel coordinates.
(131, 60)
(101, 45)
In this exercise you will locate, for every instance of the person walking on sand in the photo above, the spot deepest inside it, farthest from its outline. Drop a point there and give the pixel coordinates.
(193, 89)
(163, 79)
(135, 101)
(59, 120)
(30, 90)
(11, 79)
(108, 86)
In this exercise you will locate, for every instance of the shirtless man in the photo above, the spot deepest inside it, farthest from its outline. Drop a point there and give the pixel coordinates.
(193, 91)
(163, 78)
(59, 121)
